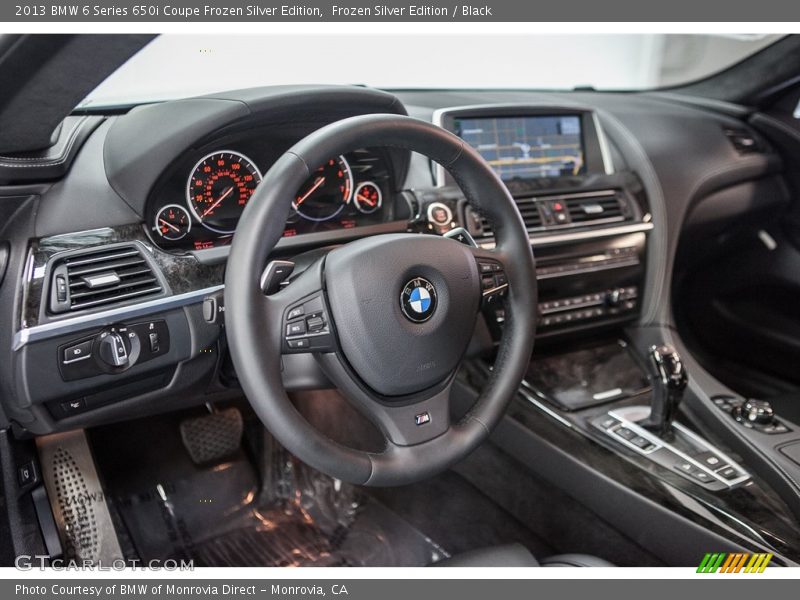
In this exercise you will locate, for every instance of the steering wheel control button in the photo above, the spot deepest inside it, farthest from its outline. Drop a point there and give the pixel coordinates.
(78, 352)
(299, 344)
(418, 300)
(315, 323)
(306, 327)
(493, 279)
(276, 272)
(295, 312)
(296, 328)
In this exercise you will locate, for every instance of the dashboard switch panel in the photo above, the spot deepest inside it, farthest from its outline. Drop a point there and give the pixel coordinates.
(113, 350)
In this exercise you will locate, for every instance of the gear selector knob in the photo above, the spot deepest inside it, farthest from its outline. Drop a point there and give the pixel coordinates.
(669, 382)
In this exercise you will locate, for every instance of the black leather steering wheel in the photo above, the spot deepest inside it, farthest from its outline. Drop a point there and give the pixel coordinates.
(398, 312)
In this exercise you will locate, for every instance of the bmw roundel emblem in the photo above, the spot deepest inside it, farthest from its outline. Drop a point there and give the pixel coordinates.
(418, 300)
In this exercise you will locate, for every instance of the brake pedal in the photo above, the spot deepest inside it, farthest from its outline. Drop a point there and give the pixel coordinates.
(212, 437)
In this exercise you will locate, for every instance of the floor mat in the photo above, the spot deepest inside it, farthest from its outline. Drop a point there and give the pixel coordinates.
(216, 515)
(458, 515)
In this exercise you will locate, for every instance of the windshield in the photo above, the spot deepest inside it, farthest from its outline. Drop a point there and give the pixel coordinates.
(179, 66)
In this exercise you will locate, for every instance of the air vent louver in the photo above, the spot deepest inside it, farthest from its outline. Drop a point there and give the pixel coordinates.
(528, 208)
(101, 277)
(594, 208)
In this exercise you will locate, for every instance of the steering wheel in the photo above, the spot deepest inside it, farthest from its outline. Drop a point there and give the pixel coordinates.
(388, 317)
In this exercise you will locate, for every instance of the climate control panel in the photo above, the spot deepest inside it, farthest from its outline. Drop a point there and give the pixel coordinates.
(612, 302)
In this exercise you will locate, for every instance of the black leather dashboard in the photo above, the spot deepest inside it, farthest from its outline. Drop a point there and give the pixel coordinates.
(669, 154)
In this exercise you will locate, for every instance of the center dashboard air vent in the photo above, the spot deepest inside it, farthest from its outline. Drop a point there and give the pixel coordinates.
(569, 210)
(584, 209)
(101, 277)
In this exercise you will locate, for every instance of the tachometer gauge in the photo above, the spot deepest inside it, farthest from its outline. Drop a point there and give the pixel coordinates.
(173, 222)
(326, 192)
(219, 187)
(367, 197)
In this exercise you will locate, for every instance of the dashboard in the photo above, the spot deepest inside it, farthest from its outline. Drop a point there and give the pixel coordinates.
(198, 201)
(134, 238)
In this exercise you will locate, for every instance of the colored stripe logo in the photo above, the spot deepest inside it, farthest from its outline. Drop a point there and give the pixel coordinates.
(736, 562)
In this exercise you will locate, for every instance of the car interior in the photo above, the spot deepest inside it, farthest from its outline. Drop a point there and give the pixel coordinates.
(347, 325)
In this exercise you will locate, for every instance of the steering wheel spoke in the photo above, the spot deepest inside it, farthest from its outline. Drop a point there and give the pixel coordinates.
(403, 421)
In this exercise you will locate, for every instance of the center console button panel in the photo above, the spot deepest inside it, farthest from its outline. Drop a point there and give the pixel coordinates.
(751, 414)
(685, 453)
(612, 302)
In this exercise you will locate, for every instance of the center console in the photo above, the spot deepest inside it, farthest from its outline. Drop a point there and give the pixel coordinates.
(597, 412)
(587, 218)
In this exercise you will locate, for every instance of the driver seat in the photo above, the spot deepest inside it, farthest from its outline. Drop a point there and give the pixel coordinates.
(517, 555)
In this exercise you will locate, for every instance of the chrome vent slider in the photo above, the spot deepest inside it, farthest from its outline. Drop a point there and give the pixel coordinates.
(101, 276)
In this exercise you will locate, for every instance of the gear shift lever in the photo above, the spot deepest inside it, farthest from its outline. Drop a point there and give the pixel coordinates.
(669, 382)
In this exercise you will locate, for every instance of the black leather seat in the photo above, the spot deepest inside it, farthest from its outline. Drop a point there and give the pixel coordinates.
(516, 555)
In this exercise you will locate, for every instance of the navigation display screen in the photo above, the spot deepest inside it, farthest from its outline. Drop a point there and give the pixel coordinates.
(527, 147)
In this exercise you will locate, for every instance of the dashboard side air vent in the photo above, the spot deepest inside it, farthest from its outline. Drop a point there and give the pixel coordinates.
(101, 277)
(602, 208)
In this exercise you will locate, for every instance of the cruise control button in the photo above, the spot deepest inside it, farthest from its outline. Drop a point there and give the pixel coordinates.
(295, 312)
(315, 323)
(296, 328)
(299, 343)
(78, 352)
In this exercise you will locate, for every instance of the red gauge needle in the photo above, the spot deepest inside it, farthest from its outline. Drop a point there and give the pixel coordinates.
(317, 183)
(225, 194)
(170, 225)
(367, 200)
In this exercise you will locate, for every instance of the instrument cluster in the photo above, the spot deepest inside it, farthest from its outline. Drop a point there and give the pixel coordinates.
(199, 201)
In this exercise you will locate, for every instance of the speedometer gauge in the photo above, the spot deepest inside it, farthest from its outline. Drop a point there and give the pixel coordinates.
(326, 192)
(219, 187)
